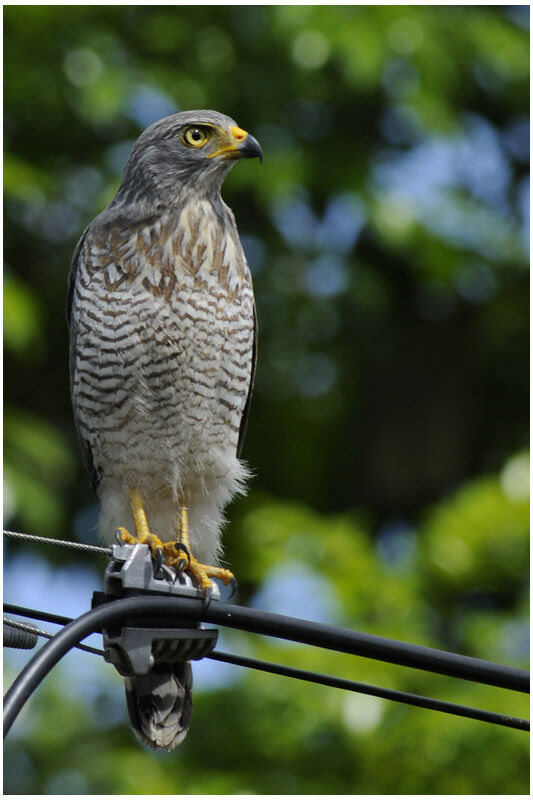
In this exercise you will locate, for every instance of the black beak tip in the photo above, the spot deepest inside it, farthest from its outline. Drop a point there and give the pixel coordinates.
(252, 149)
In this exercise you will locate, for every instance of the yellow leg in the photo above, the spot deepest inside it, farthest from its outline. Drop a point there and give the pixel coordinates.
(142, 531)
(172, 554)
(183, 533)
(200, 572)
(139, 515)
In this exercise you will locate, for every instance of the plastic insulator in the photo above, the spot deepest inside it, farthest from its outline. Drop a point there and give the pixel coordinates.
(15, 637)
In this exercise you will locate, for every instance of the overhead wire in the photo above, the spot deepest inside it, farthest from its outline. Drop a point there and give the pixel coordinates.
(25, 684)
(46, 635)
(305, 632)
(87, 548)
(348, 641)
(342, 683)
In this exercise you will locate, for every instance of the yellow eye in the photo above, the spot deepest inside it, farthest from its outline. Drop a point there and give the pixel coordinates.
(194, 137)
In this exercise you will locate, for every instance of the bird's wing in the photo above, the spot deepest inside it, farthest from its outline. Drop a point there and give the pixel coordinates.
(84, 443)
(72, 274)
(246, 412)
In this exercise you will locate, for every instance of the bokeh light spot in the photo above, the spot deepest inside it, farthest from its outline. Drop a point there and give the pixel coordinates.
(82, 66)
(310, 50)
(515, 477)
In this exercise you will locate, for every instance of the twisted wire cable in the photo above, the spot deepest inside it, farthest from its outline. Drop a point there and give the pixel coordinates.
(24, 626)
(88, 548)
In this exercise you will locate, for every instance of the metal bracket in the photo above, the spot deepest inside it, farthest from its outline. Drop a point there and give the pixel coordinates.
(132, 567)
(134, 649)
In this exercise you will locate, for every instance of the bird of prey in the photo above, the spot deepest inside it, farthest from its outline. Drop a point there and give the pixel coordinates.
(162, 359)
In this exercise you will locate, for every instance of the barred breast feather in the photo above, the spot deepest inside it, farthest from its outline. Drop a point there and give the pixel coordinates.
(162, 356)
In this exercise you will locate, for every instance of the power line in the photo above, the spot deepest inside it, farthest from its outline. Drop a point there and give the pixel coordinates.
(43, 616)
(340, 639)
(20, 626)
(341, 683)
(135, 607)
(303, 631)
(368, 645)
(374, 691)
(326, 680)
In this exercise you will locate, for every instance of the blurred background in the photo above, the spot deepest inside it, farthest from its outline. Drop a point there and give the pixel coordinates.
(387, 233)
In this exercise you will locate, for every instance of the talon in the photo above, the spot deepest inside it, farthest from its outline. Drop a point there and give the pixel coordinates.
(158, 562)
(182, 563)
(207, 595)
(234, 587)
(123, 536)
(180, 546)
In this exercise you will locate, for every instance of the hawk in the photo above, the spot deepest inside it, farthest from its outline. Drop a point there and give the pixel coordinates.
(162, 358)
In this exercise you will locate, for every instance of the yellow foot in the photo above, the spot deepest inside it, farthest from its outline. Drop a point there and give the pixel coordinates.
(200, 572)
(177, 555)
(183, 560)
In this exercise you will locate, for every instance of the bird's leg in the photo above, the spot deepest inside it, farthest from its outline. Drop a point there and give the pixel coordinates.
(200, 572)
(175, 553)
(143, 534)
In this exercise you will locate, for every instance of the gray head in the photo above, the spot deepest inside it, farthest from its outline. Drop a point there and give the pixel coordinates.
(190, 149)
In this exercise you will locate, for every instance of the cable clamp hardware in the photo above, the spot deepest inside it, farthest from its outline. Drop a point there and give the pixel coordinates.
(133, 649)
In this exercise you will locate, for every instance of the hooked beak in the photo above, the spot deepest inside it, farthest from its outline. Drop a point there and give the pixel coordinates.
(240, 145)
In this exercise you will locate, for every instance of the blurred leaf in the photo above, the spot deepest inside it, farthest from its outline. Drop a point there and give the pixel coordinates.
(39, 468)
(386, 231)
(23, 331)
(478, 538)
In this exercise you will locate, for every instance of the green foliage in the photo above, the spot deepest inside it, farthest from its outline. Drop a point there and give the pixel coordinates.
(264, 734)
(386, 232)
(39, 467)
(22, 320)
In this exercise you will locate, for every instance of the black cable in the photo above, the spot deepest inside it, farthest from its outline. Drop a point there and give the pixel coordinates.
(369, 646)
(44, 616)
(32, 630)
(374, 691)
(353, 686)
(90, 622)
(183, 608)
(341, 640)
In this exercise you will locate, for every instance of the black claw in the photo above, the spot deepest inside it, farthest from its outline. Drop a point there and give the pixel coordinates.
(206, 599)
(118, 537)
(158, 562)
(179, 546)
(182, 563)
(234, 588)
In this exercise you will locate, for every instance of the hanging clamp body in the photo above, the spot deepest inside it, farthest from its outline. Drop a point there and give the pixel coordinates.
(134, 647)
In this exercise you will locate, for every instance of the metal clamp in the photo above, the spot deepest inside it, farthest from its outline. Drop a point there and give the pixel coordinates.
(134, 649)
(132, 567)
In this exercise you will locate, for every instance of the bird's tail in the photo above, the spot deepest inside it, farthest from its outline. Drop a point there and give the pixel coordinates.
(160, 704)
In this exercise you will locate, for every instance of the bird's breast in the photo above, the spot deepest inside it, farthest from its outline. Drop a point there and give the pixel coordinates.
(165, 330)
(195, 249)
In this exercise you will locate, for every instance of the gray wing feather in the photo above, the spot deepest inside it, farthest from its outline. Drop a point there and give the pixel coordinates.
(246, 412)
(160, 704)
(84, 444)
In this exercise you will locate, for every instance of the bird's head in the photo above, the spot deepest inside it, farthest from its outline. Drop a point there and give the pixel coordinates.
(192, 148)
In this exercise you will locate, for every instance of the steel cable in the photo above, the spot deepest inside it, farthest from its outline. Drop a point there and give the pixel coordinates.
(86, 548)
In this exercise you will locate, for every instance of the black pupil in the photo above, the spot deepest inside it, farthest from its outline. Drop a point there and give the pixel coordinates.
(196, 135)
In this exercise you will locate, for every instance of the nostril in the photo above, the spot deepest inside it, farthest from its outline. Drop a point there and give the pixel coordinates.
(238, 133)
